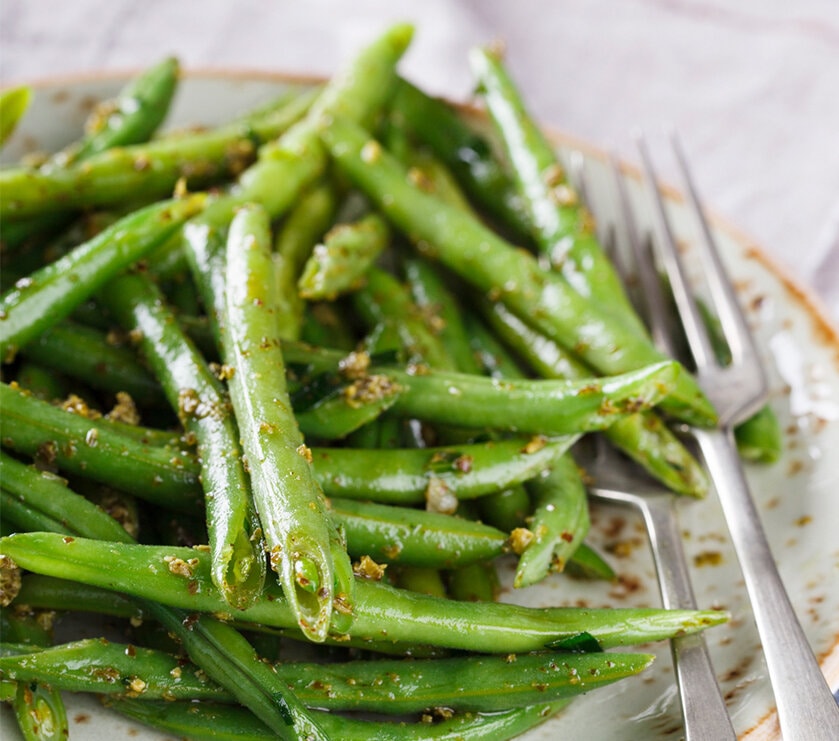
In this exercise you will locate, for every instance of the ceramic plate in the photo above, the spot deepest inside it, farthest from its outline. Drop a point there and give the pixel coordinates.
(797, 497)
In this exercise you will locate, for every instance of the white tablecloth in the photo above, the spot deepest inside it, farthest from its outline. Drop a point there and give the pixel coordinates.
(751, 86)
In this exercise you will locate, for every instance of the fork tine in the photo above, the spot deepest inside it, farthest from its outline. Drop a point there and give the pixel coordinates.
(651, 296)
(737, 334)
(697, 335)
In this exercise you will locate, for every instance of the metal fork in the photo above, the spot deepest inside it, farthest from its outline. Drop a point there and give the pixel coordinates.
(618, 480)
(807, 711)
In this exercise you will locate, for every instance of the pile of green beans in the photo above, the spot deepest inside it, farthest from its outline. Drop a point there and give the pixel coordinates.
(316, 406)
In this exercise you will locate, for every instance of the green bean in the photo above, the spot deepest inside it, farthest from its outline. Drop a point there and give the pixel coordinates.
(588, 563)
(13, 104)
(442, 312)
(562, 226)
(303, 546)
(760, 438)
(145, 171)
(509, 508)
(379, 611)
(40, 712)
(477, 582)
(333, 412)
(91, 448)
(226, 723)
(539, 407)
(414, 537)
(427, 580)
(357, 93)
(21, 516)
(491, 265)
(100, 666)
(286, 167)
(195, 395)
(48, 494)
(307, 221)
(131, 117)
(408, 476)
(51, 293)
(85, 353)
(38, 707)
(295, 160)
(643, 437)
(469, 683)
(49, 593)
(466, 153)
(560, 522)
(340, 264)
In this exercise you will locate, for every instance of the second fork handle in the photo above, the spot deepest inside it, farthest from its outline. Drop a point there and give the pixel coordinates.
(807, 711)
(703, 708)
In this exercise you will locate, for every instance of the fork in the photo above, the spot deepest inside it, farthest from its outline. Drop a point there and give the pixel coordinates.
(617, 480)
(807, 711)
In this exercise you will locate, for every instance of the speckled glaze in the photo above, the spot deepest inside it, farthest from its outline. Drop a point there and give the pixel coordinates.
(797, 496)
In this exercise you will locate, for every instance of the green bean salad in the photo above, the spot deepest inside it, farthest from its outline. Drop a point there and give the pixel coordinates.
(279, 396)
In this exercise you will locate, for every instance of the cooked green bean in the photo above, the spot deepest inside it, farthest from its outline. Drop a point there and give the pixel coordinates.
(40, 382)
(227, 723)
(379, 611)
(51, 293)
(469, 683)
(385, 302)
(414, 537)
(49, 593)
(588, 563)
(562, 226)
(559, 522)
(333, 412)
(410, 475)
(133, 116)
(304, 549)
(305, 224)
(13, 104)
(46, 493)
(169, 476)
(40, 712)
(341, 263)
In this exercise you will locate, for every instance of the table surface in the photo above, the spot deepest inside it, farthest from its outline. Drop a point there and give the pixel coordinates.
(751, 87)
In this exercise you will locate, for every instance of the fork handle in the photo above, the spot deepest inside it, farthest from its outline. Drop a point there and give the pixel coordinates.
(807, 711)
(703, 708)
